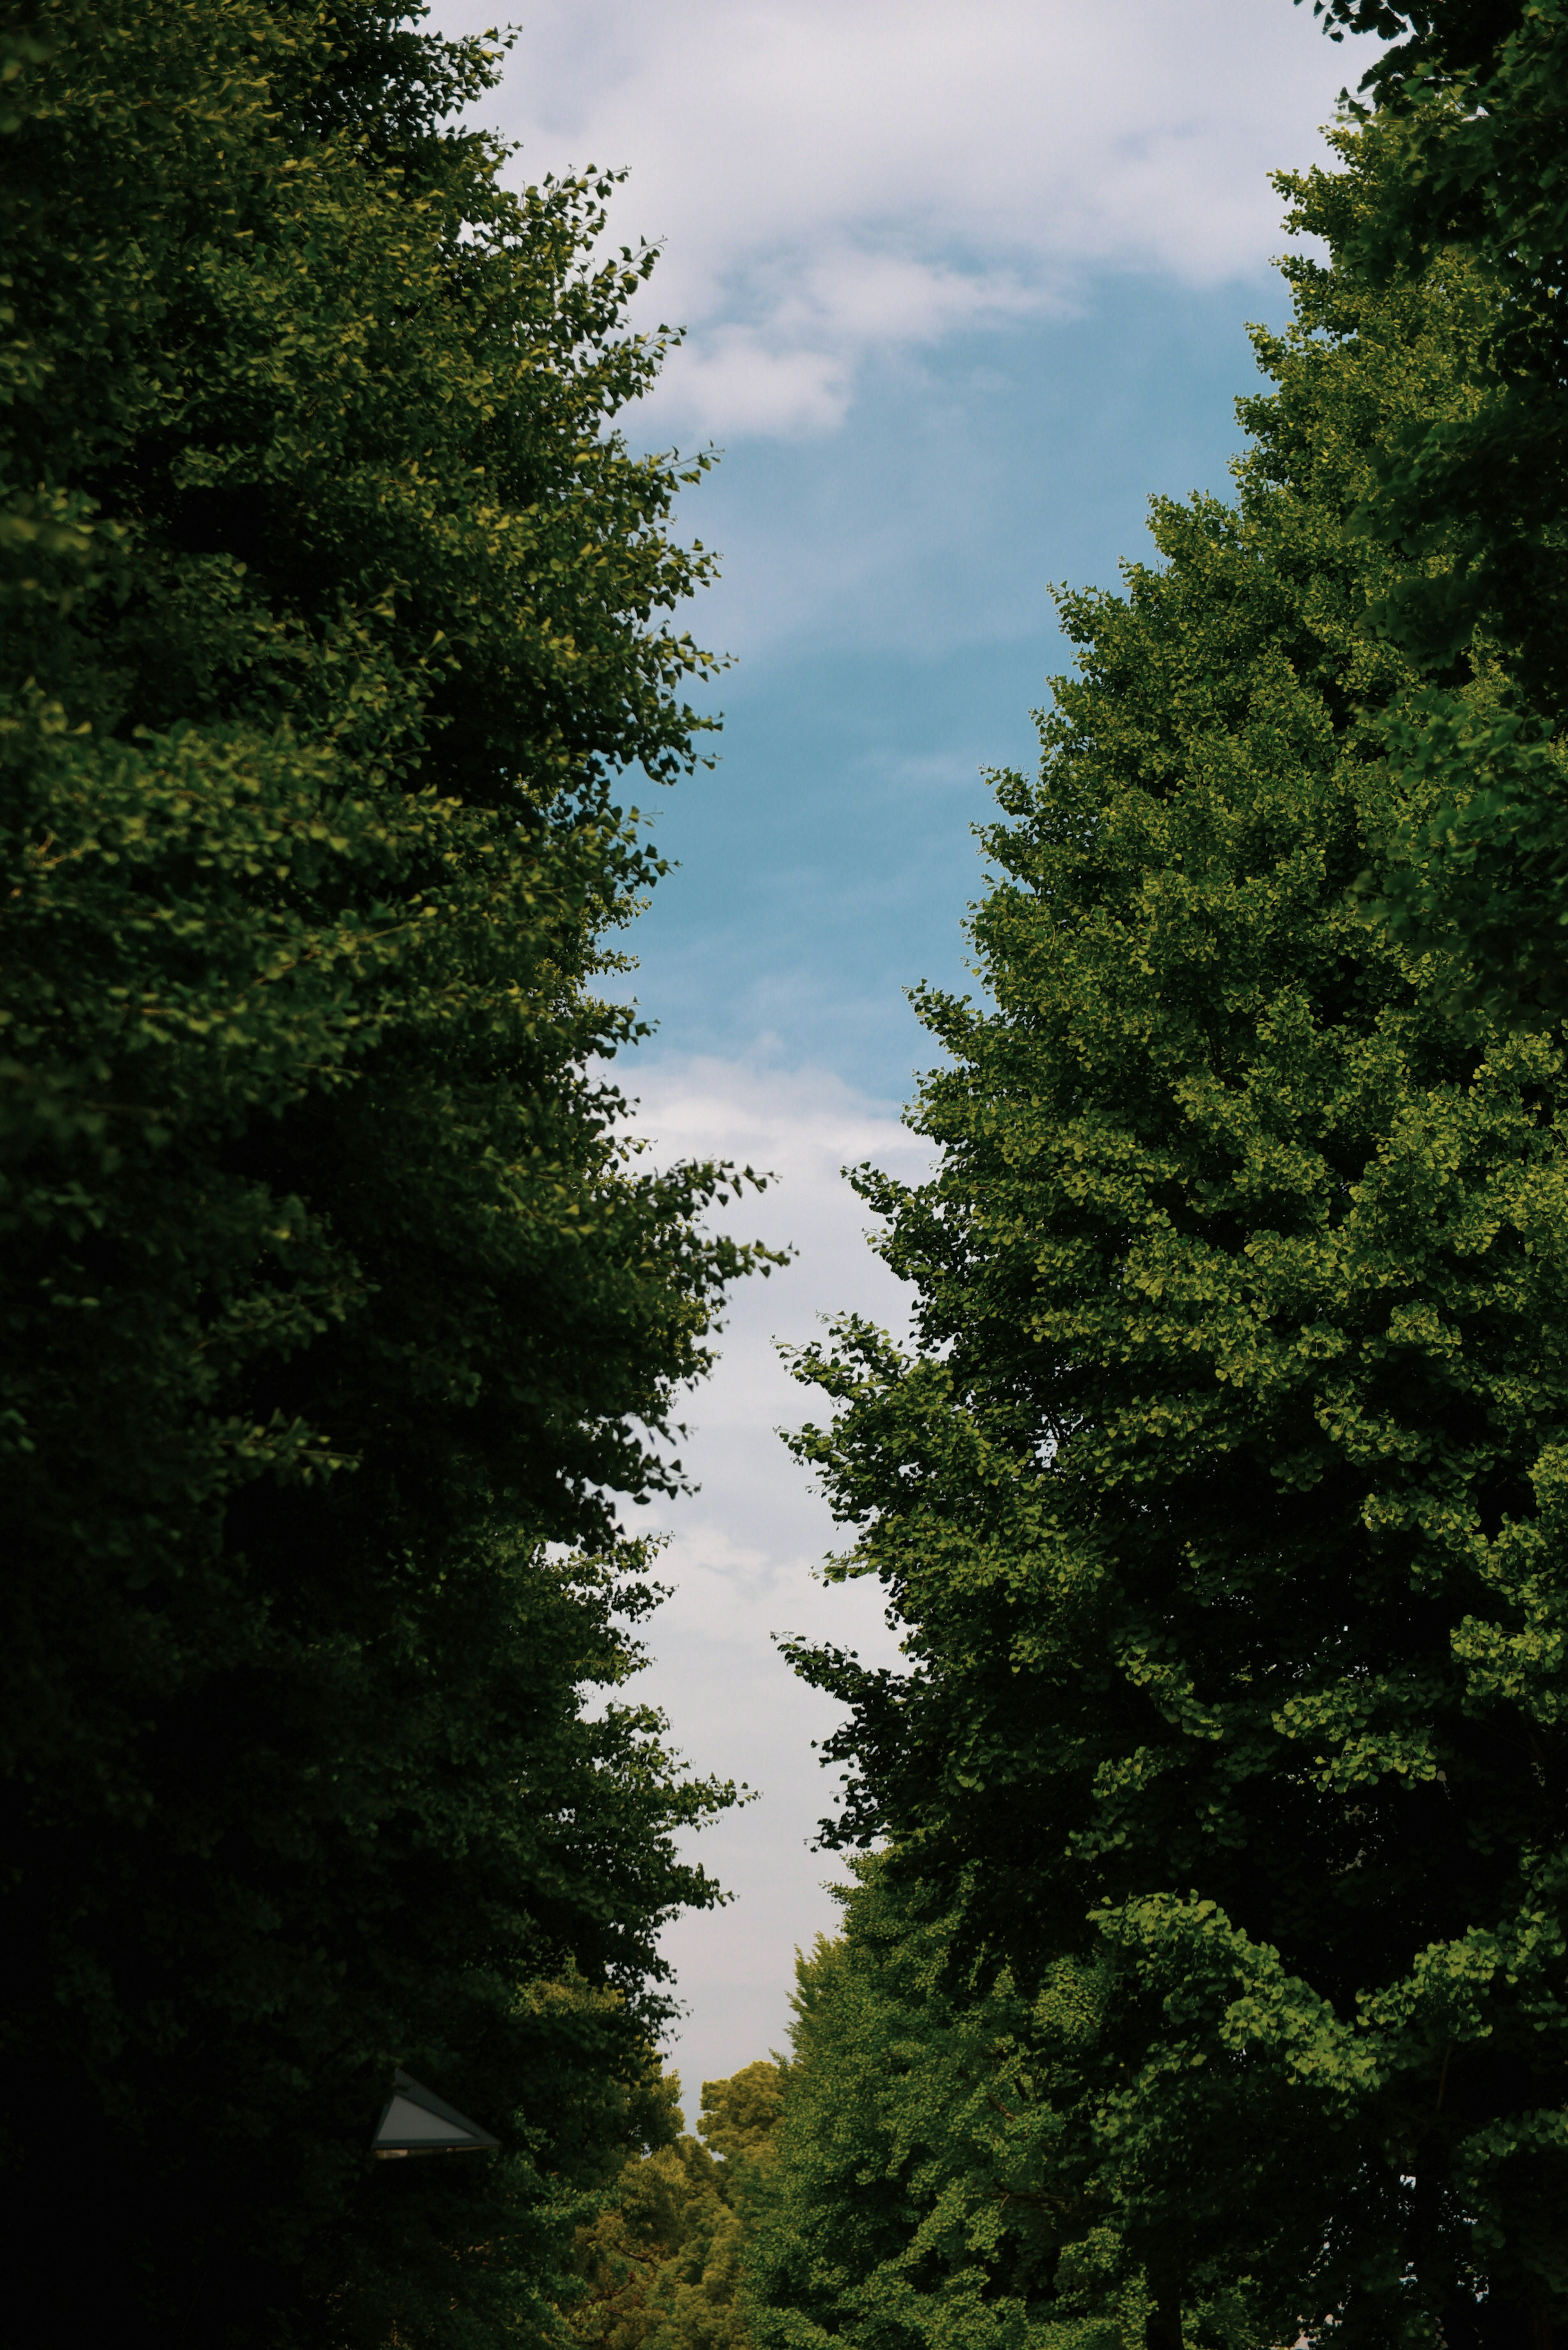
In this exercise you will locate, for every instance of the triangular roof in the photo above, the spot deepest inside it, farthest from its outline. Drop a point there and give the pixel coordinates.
(414, 2120)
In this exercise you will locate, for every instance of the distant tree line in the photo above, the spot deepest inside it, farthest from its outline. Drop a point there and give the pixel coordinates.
(662, 2263)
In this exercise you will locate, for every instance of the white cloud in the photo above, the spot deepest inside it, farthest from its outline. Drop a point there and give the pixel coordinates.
(793, 370)
(746, 1549)
(832, 177)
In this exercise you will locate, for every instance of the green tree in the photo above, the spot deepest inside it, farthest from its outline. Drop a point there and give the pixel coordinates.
(1221, 1496)
(663, 2259)
(1470, 501)
(337, 1306)
(938, 2177)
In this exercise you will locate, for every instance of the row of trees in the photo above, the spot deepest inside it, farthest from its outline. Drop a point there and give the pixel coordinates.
(337, 1307)
(1210, 1984)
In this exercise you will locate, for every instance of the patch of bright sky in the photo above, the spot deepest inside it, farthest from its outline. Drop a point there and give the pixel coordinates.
(964, 284)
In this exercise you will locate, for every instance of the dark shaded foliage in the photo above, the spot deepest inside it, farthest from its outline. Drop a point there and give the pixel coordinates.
(336, 1309)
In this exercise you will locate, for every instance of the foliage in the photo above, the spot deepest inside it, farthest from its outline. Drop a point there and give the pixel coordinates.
(1473, 502)
(662, 2260)
(936, 2180)
(1221, 1499)
(337, 1306)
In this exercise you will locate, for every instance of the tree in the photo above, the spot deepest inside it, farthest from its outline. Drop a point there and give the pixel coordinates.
(936, 2179)
(338, 1305)
(1221, 1499)
(1471, 502)
(662, 2259)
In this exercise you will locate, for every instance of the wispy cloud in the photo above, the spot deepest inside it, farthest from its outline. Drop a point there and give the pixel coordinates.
(790, 366)
(834, 178)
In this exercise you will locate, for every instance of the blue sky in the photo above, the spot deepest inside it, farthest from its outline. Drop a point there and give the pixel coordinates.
(964, 286)
(898, 572)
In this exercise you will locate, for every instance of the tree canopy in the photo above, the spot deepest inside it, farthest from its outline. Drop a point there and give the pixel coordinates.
(1470, 501)
(932, 2156)
(663, 2258)
(340, 1307)
(1220, 1497)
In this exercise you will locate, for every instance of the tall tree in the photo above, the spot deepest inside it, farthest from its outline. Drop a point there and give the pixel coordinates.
(338, 1308)
(1222, 1497)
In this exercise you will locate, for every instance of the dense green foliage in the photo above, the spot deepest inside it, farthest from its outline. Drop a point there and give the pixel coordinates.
(662, 2260)
(336, 1307)
(1471, 501)
(1222, 1496)
(937, 2180)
